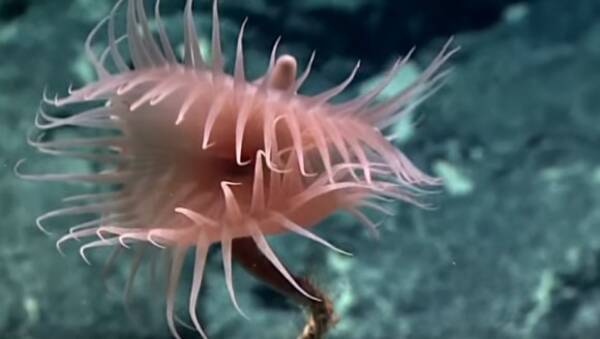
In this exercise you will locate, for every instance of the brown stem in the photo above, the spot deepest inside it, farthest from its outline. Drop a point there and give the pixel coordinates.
(321, 315)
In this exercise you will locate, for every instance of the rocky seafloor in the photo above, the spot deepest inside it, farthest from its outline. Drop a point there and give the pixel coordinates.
(511, 250)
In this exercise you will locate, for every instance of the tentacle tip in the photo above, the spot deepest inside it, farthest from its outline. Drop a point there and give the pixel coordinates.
(16, 167)
(46, 99)
(44, 230)
(241, 162)
(346, 253)
(243, 314)
(154, 242)
(307, 174)
(85, 259)
(226, 184)
(124, 244)
(430, 207)
(59, 249)
(206, 145)
(313, 298)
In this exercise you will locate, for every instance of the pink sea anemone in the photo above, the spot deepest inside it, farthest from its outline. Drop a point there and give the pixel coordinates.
(200, 157)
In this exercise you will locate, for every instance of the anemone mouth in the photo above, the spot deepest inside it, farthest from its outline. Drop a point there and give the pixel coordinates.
(196, 156)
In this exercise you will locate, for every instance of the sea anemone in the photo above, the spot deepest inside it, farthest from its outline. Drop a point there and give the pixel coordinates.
(195, 156)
